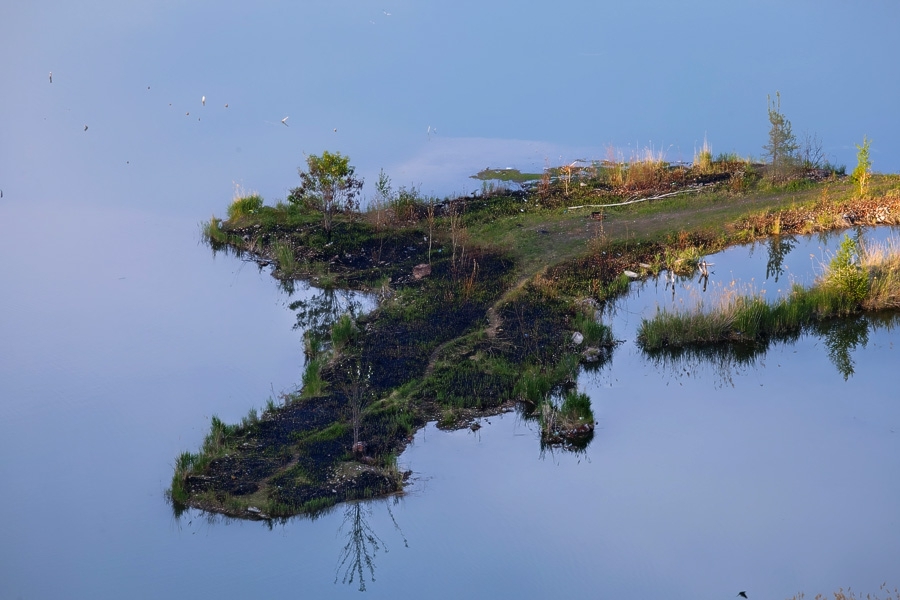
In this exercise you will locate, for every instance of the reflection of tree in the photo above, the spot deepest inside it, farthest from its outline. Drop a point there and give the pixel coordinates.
(318, 313)
(841, 338)
(358, 555)
(726, 360)
(779, 247)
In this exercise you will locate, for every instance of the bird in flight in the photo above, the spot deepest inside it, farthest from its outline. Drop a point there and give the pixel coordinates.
(203, 100)
(742, 594)
(386, 13)
(51, 76)
(85, 127)
(284, 121)
(226, 105)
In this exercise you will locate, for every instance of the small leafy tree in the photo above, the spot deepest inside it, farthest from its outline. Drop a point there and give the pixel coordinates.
(328, 185)
(863, 169)
(431, 219)
(782, 145)
(845, 273)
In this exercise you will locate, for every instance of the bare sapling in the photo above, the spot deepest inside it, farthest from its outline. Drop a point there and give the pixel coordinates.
(430, 216)
(355, 389)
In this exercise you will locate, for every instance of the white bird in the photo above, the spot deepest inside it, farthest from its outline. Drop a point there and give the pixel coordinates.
(51, 76)
(386, 13)
(284, 121)
(203, 100)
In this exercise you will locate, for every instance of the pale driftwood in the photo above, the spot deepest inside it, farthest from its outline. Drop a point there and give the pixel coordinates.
(697, 189)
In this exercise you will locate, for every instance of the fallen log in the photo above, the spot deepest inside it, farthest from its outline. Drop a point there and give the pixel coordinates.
(697, 189)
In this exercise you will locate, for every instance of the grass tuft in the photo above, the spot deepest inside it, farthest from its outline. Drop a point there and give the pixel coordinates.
(244, 206)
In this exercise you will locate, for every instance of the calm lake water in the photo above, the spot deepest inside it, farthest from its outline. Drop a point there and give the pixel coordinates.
(123, 335)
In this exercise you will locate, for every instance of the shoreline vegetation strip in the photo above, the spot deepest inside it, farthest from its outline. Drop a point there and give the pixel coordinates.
(857, 280)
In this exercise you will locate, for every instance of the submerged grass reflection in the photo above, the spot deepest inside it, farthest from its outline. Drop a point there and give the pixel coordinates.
(841, 337)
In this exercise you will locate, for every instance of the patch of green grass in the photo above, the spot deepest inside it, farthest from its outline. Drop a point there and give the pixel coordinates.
(595, 333)
(284, 257)
(467, 376)
(448, 418)
(576, 411)
(567, 422)
(213, 233)
(314, 506)
(219, 437)
(332, 432)
(216, 443)
(313, 384)
(343, 332)
(184, 467)
(244, 206)
(251, 420)
(534, 385)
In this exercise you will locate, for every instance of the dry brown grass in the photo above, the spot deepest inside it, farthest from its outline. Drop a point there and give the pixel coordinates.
(646, 170)
(703, 160)
(882, 262)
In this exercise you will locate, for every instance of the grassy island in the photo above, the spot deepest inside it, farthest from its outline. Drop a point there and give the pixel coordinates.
(484, 302)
